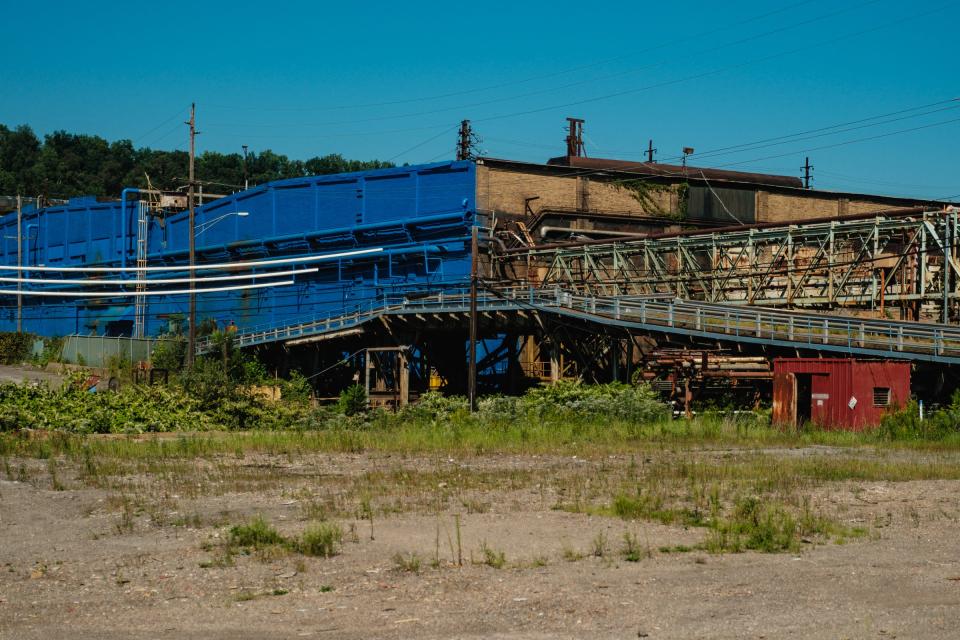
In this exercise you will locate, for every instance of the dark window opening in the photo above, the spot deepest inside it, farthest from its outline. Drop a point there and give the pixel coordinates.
(881, 396)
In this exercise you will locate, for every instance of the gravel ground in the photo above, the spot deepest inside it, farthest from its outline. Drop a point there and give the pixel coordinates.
(71, 568)
(17, 374)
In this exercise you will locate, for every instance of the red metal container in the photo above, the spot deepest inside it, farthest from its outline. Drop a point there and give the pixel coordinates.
(840, 393)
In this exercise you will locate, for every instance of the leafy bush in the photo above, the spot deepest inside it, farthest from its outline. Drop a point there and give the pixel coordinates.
(15, 347)
(906, 424)
(353, 400)
(574, 399)
(52, 351)
(297, 388)
(435, 406)
(72, 408)
(169, 353)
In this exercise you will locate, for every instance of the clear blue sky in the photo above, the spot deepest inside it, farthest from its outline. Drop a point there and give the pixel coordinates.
(377, 79)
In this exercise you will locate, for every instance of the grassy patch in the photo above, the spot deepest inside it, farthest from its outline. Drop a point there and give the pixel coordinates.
(255, 535)
(407, 563)
(492, 557)
(321, 540)
(631, 550)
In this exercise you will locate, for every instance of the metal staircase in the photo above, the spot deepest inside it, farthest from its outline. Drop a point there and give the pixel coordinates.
(140, 302)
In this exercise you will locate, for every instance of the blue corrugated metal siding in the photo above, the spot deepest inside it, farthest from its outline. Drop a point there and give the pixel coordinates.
(421, 215)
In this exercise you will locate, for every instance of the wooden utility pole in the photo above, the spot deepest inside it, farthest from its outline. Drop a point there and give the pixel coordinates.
(464, 141)
(472, 371)
(192, 339)
(650, 151)
(19, 263)
(807, 168)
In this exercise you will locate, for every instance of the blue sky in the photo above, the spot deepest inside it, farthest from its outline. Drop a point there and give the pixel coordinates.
(392, 80)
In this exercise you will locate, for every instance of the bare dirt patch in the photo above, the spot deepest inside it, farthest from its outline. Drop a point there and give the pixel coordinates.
(140, 548)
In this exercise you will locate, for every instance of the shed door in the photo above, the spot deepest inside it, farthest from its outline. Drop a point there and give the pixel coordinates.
(785, 399)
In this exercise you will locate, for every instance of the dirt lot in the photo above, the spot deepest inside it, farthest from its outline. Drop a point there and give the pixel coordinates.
(137, 550)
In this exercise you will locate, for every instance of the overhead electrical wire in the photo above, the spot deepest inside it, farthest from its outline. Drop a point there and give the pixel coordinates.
(463, 107)
(660, 84)
(772, 142)
(846, 142)
(177, 115)
(766, 267)
(672, 43)
(417, 146)
(200, 267)
(92, 281)
(663, 172)
(714, 71)
(137, 294)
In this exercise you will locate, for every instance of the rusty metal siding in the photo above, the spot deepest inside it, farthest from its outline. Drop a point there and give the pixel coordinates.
(784, 399)
(868, 376)
(842, 389)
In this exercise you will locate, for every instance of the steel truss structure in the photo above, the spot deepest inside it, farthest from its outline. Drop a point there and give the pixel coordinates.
(906, 261)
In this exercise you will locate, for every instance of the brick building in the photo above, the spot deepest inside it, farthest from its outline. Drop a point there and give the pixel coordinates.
(598, 197)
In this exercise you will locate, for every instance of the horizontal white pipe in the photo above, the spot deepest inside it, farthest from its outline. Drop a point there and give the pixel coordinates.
(134, 294)
(275, 274)
(200, 267)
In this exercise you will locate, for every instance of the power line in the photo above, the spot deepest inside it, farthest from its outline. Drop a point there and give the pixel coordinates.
(846, 142)
(427, 141)
(96, 282)
(668, 44)
(176, 116)
(200, 267)
(694, 55)
(133, 294)
(715, 71)
(829, 131)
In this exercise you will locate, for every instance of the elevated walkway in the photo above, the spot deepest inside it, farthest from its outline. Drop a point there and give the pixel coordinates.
(730, 324)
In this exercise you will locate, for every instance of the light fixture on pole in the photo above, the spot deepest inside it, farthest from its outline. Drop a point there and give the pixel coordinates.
(209, 223)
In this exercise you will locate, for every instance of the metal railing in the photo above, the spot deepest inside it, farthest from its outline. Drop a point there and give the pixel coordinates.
(905, 340)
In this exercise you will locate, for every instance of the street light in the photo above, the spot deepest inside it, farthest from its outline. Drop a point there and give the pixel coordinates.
(209, 223)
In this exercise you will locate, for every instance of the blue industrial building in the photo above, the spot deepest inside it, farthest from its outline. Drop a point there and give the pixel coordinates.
(421, 216)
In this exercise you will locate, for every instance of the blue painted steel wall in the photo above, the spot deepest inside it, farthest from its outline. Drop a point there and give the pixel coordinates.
(421, 215)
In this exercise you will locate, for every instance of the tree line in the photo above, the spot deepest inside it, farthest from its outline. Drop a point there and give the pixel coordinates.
(63, 165)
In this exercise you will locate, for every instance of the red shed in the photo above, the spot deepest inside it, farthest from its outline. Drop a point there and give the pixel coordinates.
(837, 392)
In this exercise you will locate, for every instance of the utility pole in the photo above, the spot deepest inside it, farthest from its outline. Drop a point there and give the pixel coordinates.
(472, 371)
(192, 339)
(575, 137)
(687, 151)
(465, 141)
(246, 183)
(19, 264)
(807, 168)
(650, 151)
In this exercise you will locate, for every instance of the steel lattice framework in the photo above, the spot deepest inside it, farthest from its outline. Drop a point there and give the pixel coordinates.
(862, 263)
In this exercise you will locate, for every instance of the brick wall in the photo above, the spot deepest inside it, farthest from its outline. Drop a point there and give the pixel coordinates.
(504, 191)
(779, 207)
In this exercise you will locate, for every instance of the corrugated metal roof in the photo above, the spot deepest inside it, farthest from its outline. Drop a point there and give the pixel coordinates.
(674, 171)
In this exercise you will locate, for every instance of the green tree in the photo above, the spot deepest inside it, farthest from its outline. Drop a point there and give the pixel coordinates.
(19, 157)
(65, 165)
